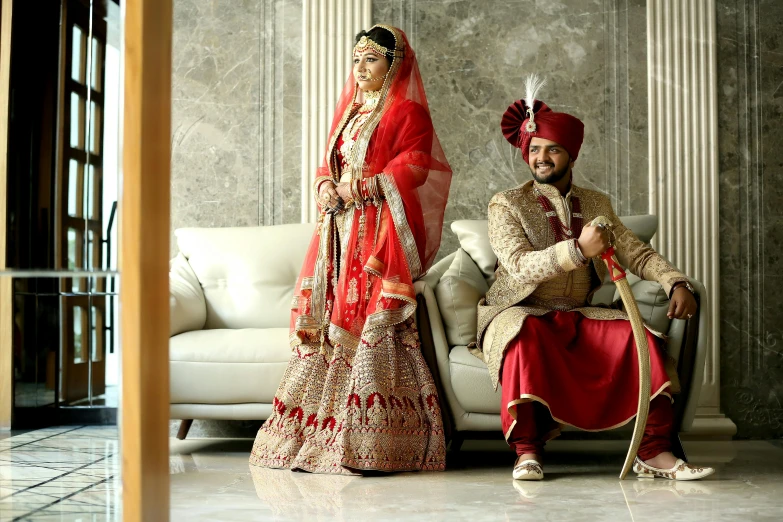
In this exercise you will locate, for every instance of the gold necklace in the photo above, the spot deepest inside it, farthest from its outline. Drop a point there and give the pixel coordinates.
(371, 99)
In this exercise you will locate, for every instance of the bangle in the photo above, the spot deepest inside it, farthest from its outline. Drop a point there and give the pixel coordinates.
(365, 187)
(356, 192)
(373, 190)
(320, 180)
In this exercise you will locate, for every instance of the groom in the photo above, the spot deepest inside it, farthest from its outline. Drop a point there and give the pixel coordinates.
(559, 360)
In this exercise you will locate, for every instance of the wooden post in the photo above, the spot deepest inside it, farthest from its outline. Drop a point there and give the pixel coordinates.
(144, 256)
(6, 295)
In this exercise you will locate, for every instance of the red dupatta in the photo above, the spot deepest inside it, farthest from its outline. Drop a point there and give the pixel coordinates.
(366, 281)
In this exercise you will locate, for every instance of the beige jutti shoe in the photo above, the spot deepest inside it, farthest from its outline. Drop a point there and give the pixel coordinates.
(528, 470)
(680, 471)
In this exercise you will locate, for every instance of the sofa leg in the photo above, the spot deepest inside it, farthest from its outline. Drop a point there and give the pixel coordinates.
(184, 428)
(456, 443)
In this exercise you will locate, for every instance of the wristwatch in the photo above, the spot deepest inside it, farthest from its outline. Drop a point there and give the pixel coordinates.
(688, 286)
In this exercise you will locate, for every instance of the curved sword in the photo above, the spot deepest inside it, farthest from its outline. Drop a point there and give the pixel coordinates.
(642, 349)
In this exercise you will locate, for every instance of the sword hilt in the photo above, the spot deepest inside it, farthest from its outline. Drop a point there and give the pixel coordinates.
(616, 272)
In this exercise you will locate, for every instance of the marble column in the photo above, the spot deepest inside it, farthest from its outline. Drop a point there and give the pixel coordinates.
(328, 28)
(280, 132)
(683, 164)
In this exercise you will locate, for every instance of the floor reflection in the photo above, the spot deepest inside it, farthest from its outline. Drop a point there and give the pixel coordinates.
(299, 495)
(72, 473)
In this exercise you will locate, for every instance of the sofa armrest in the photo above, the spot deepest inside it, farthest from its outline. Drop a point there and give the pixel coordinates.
(434, 338)
(436, 271)
(687, 341)
(652, 300)
(187, 305)
(698, 337)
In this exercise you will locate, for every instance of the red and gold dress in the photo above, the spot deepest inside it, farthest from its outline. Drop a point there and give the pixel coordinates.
(357, 393)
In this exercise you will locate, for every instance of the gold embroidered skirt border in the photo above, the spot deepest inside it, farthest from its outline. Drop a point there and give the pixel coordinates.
(372, 408)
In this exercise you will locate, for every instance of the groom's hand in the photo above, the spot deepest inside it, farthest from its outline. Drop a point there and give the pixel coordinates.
(593, 241)
(682, 305)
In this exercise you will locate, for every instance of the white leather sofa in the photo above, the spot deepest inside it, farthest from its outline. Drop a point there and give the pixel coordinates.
(231, 291)
(230, 297)
(449, 293)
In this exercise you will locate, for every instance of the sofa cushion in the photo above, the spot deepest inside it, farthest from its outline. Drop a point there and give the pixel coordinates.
(473, 236)
(471, 383)
(460, 289)
(652, 300)
(187, 308)
(643, 226)
(228, 366)
(247, 274)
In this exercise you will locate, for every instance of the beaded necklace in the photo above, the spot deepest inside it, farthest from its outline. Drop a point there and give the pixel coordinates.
(560, 230)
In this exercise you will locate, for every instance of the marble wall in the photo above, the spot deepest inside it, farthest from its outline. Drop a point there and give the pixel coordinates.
(236, 71)
(474, 57)
(750, 85)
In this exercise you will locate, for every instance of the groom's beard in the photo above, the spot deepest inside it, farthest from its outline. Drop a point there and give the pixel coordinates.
(553, 176)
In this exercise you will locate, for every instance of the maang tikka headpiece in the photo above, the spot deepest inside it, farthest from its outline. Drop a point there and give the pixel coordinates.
(365, 43)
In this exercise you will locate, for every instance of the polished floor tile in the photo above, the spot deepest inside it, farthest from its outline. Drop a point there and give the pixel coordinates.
(72, 474)
(68, 474)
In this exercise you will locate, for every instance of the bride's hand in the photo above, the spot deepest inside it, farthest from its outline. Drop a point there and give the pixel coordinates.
(344, 191)
(330, 199)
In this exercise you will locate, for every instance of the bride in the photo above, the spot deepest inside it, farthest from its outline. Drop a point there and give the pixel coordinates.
(357, 394)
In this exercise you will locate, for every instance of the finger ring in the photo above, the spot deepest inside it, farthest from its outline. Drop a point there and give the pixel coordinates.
(325, 196)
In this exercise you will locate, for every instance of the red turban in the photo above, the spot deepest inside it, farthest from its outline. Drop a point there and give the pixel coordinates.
(564, 129)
